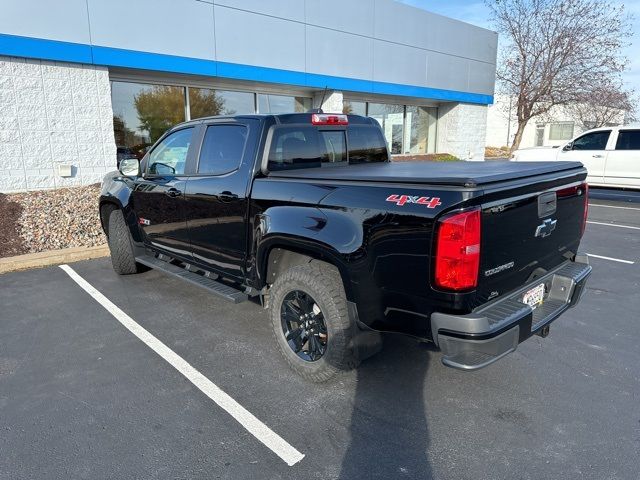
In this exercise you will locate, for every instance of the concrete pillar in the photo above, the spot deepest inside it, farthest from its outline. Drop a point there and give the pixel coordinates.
(332, 101)
(462, 130)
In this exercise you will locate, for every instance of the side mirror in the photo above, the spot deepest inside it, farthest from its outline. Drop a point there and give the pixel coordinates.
(129, 167)
(567, 147)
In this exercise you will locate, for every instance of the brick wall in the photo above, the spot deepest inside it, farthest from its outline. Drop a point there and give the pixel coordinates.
(54, 113)
(462, 130)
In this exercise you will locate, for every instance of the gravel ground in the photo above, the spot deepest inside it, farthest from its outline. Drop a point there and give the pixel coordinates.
(54, 219)
(10, 241)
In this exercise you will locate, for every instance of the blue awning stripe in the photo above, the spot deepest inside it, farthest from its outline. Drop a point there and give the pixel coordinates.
(44, 49)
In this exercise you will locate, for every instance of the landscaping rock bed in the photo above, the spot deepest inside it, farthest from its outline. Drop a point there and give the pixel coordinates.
(10, 241)
(50, 220)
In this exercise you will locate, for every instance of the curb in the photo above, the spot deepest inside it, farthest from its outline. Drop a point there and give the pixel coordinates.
(53, 257)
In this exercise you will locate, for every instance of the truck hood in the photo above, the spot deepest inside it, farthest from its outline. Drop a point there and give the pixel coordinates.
(463, 174)
(536, 154)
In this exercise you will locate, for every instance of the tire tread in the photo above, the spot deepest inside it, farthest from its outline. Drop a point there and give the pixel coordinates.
(324, 279)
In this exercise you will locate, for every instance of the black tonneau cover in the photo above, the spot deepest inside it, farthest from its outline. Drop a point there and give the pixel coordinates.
(464, 174)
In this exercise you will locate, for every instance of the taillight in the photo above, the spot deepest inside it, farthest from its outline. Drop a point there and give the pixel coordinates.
(329, 119)
(458, 251)
(585, 193)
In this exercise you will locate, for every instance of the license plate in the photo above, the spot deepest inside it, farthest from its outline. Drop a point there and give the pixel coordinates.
(534, 297)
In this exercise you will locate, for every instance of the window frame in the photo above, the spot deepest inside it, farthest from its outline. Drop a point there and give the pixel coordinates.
(403, 124)
(561, 124)
(187, 160)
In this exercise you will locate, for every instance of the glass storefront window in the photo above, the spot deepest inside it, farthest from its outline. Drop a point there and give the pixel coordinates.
(142, 113)
(354, 108)
(420, 136)
(268, 103)
(206, 102)
(391, 118)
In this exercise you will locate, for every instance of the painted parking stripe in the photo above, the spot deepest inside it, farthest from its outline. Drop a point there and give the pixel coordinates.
(612, 206)
(614, 225)
(628, 262)
(264, 434)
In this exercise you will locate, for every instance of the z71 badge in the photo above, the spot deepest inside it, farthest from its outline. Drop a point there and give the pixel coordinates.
(400, 200)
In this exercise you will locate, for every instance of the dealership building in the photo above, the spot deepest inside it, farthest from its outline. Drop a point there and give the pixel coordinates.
(86, 82)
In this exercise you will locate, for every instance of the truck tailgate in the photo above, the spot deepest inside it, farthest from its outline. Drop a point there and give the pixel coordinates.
(526, 235)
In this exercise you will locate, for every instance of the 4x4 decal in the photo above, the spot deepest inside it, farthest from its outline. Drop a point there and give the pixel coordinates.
(400, 200)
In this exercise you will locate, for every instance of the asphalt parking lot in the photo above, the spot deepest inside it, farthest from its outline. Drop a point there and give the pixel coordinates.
(81, 396)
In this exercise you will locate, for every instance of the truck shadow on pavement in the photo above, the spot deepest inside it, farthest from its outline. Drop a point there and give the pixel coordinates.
(389, 431)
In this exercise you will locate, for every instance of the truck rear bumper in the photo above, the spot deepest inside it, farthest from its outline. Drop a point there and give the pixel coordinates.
(475, 340)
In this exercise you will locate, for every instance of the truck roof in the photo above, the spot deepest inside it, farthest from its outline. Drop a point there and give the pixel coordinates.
(282, 118)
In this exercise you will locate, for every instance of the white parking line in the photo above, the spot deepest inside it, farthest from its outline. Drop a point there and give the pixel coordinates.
(268, 437)
(614, 225)
(612, 206)
(628, 262)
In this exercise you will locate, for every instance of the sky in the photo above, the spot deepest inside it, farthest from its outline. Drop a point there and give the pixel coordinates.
(476, 12)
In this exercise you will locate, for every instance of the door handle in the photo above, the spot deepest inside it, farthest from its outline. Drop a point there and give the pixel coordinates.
(598, 156)
(227, 196)
(173, 192)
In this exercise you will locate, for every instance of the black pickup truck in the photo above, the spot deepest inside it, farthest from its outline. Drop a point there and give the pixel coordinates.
(307, 214)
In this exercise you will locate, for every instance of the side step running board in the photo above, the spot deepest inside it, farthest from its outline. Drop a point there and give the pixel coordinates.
(224, 291)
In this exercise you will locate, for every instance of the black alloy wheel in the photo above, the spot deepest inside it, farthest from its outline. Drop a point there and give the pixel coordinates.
(303, 326)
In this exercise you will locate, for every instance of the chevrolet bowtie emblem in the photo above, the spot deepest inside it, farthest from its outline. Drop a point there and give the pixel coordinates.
(546, 228)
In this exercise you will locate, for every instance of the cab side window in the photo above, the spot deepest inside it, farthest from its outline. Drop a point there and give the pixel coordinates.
(222, 149)
(628, 140)
(170, 155)
(592, 141)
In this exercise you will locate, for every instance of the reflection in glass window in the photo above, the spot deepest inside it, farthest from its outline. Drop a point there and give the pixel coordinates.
(222, 149)
(142, 113)
(206, 102)
(366, 144)
(170, 156)
(268, 103)
(421, 130)
(294, 147)
(391, 118)
(335, 146)
(354, 108)
(628, 140)
(592, 141)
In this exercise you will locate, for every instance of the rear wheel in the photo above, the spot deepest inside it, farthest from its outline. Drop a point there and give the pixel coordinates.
(310, 321)
(121, 245)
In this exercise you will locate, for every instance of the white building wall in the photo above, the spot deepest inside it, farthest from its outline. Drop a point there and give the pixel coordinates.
(53, 114)
(462, 130)
(500, 133)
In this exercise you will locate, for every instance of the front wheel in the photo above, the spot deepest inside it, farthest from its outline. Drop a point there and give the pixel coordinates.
(121, 245)
(310, 321)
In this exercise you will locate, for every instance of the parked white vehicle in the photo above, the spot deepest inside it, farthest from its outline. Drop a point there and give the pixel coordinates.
(611, 155)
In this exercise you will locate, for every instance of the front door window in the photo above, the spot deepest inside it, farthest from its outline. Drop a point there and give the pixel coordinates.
(592, 141)
(170, 155)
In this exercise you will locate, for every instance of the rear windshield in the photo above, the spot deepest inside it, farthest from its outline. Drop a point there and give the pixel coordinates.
(302, 146)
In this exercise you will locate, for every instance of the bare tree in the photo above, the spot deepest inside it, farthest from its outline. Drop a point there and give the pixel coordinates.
(554, 52)
(605, 105)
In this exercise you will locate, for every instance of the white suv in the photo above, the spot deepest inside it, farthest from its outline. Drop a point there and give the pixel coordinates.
(611, 155)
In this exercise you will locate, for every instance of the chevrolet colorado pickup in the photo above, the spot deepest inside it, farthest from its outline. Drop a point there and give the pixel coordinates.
(308, 214)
